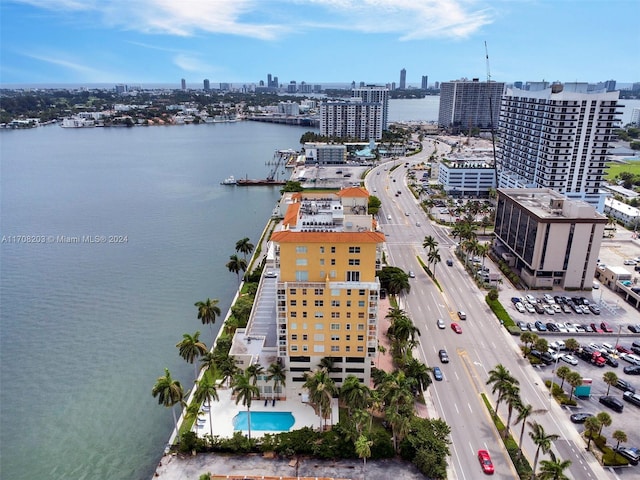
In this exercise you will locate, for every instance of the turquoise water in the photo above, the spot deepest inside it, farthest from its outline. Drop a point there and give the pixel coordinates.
(264, 421)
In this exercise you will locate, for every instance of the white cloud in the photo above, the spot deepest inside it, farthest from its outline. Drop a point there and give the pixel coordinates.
(81, 71)
(408, 19)
(190, 63)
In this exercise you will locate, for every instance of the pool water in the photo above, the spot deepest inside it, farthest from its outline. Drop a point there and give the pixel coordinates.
(264, 421)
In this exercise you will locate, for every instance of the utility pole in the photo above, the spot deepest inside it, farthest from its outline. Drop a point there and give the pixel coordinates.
(493, 133)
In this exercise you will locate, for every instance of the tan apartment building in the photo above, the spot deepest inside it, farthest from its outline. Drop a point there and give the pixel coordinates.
(549, 240)
(328, 251)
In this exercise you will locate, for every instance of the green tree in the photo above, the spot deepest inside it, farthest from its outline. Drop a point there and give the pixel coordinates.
(245, 247)
(571, 344)
(236, 265)
(511, 396)
(208, 311)
(374, 205)
(278, 374)
(321, 389)
(254, 371)
(245, 390)
(169, 393)
(500, 378)
(429, 243)
(575, 380)
(417, 370)
(553, 469)
(542, 440)
(394, 280)
(206, 391)
(610, 378)
(528, 338)
(524, 412)
(190, 348)
(434, 258)
(605, 420)
(562, 373)
(619, 436)
(591, 427)
(228, 368)
(354, 394)
(363, 449)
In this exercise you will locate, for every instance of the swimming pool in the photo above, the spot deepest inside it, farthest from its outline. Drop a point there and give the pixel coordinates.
(264, 421)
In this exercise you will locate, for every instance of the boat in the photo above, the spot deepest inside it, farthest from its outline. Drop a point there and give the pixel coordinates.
(248, 182)
(229, 181)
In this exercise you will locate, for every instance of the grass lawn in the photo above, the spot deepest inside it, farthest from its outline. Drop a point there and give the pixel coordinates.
(614, 168)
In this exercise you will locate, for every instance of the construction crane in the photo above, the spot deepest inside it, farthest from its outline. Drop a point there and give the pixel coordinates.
(493, 134)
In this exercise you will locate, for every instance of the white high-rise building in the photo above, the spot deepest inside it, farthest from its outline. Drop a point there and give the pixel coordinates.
(375, 94)
(467, 104)
(351, 119)
(557, 138)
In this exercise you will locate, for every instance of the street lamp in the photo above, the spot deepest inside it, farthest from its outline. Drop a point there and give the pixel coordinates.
(555, 369)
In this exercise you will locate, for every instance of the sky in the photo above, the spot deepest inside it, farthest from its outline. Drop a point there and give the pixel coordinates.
(144, 42)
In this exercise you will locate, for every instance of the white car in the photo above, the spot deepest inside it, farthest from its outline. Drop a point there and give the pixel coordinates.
(520, 307)
(570, 327)
(548, 310)
(556, 308)
(440, 324)
(531, 299)
(562, 327)
(570, 359)
(529, 308)
(270, 274)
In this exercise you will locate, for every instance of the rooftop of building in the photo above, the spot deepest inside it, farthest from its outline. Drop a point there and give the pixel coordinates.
(548, 204)
(621, 207)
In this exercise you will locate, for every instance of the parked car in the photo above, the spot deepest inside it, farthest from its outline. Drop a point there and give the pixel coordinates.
(580, 417)
(444, 358)
(634, 370)
(596, 328)
(631, 358)
(541, 327)
(552, 327)
(594, 309)
(611, 360)
(625, 386)
(606, 328)
(612, 402)
(631, 454)
(634, 328)
(623, 349)
(485, 462)
(270, 274)
(522, 326)
(529, 308)
(437, 373)
(570, 359)
(632, 398)
(520, 307)
(456, 328)
(462, 315)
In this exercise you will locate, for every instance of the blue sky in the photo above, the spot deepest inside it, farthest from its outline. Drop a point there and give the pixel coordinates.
(317, 41)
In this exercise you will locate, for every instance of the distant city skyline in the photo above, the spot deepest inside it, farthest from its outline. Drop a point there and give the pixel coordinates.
(320, 42)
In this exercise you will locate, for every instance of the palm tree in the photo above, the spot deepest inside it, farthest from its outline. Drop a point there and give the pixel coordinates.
(208, 311)
(562, 373)
(363, 449)
(575, 380)
(354, 394)
(169, 393)
(571, 344)
(542, 440)
(228, 368)
(610, 378)
(278, 374)
(254, 371)
(327, 363)
(528, 338)
(429, 243)
(591, 427)
(204, 393)
(190, 348)
(511, 395)
(244, 391)
(208, 362)
(237, 264)
(434, 258)
(483, 251)
(402, 331)
(500, 377)
(417, 370)
(605, 421)
(244, 246)
(524, 412)
(553, 469)
(321, 389)
(620, 436)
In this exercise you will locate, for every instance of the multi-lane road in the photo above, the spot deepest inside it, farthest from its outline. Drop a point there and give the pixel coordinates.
(482, 344)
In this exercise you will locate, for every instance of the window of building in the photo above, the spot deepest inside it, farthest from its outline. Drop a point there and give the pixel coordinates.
(354, 249)
(301, 249)
(335, 303)
(304, 314)
(360, 314)
(348, 292)
(361, 338)
(335, 338)
(319, 291)
(304, 326)
(348, 303)
(347, 348)
(335, 292)
(333, 249)
(321, 249)
(293, 326)
(304, 291)
(321, 274)
(335, 348)
(321, 261)
(348, 338)
(305, 336)
(361, 303)
(359, 349)
(333, 261)
(293, 303)
(305, 348)
(319, 303)
(294, 348)
(318, 337)
(335, 326)
(353, 276)
(362, 292)
(292, 291)
(354, 261)
(319, 315)
(332, 274)
(361, 326)
(302, 276)
(347, 326)
(348, 314)
(293, 314)
(319, 326)
(304, 303)
(318, 348)
(301, 261)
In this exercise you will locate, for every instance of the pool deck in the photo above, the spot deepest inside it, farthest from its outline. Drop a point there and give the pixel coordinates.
(223, 411)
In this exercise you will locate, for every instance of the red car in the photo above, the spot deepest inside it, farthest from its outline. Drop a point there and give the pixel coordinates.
(456, 328)
(485, 461)
(623, 349)
(605, 327)
(596, 328)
